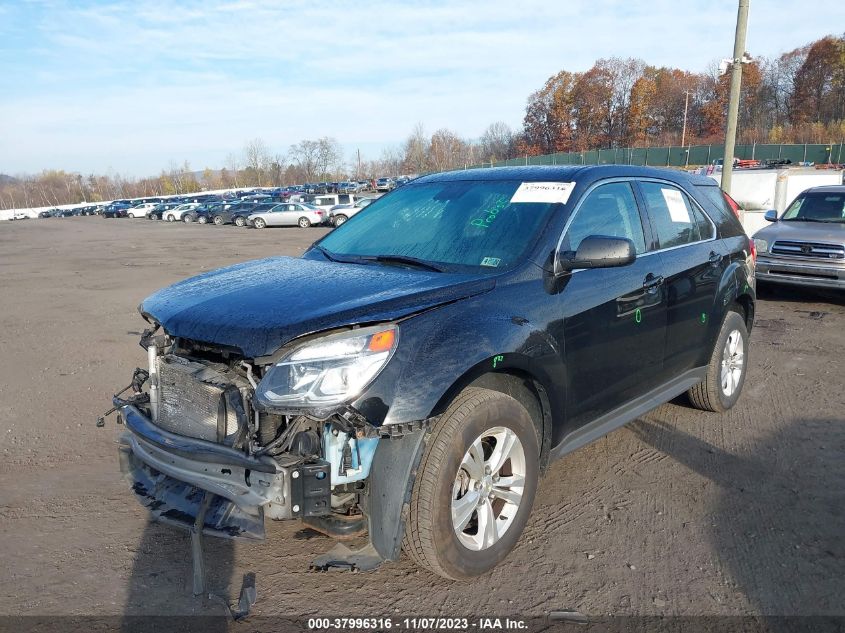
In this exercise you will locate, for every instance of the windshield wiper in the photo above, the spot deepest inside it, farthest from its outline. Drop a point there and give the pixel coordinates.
(405, 259)
(326, 253)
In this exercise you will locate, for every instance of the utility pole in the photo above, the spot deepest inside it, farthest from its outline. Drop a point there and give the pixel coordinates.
(733, 101)
(686, 106)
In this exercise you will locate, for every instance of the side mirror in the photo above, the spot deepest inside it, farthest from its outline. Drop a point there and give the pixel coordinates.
(597, 251)
(771, 216)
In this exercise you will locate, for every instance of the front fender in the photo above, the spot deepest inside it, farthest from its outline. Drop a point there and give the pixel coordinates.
(453, 344)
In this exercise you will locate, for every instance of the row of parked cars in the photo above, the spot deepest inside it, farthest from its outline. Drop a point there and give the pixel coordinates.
(259, 212)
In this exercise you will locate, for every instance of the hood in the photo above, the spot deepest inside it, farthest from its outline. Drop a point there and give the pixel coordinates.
(803, 231)
(260, 305)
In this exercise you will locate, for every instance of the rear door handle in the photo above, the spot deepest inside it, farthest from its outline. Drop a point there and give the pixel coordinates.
(715, 257)
(651, 282)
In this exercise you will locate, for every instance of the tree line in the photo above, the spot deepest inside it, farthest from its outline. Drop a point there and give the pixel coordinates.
(797, 97)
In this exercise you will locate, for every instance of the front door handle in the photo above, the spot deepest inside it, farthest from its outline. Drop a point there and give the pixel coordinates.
(652, 283)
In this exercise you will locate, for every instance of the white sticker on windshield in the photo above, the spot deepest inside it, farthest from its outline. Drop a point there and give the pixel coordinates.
(491, 261)
(548, 192)
(677, 207)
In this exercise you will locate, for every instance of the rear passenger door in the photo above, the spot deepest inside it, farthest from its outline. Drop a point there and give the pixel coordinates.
(692, 261)
(614, 319)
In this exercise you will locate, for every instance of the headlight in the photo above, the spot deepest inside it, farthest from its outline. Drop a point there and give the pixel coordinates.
(328, 370)
(762, 246)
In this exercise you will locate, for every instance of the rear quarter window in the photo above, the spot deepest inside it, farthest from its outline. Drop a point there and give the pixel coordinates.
(713, 201)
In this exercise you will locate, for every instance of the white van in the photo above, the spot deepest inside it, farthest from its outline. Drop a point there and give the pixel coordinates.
(326, 201)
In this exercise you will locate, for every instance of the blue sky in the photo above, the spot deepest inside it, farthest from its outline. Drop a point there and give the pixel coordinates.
(129, 87)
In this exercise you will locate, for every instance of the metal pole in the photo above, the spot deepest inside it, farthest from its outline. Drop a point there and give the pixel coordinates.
(684, 131)
(733, 101)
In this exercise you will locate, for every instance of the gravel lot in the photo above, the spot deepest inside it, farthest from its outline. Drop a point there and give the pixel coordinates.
(680, 513)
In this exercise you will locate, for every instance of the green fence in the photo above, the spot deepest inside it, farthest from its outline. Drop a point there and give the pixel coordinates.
(692, 155)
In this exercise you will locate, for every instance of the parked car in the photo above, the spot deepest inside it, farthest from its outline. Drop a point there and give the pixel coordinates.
(328, 200)
(156, 212)
(117, 209)
(241, 216)
(141, 210)
(417, 368)
(806, 245)
(340, 213)
(289, 214)
(226, 215)
(385, 184)
(20, 215)
(203, 213)
(177, 213)
(45, 214)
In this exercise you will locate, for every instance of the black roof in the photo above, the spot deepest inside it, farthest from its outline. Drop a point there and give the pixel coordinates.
(565, 173)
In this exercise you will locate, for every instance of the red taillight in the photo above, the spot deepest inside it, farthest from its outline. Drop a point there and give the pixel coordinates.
(753, 247)
(732, 204)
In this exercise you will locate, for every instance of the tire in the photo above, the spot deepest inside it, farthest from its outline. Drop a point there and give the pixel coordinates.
(304, 223)
(726, 371)
(239, 221)
(259, 223)
(202, 220)
(474, 418)
(188, 218)
(218, 220)
(340, 219)
(171, 218)
(131, 215)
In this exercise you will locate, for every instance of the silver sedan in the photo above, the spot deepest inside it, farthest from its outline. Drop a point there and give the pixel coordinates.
(289, 214)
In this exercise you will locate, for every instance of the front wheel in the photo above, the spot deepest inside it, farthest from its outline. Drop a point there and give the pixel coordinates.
(188, 219)
(720, 389)
(259, 223)
(171, 218)
(239, 221)
(304, 223)
(339, 219)
(475, 486)
(218, 220)
(202, 220)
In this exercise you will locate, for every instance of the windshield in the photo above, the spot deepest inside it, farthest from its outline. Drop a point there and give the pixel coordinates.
(463, 223)
(817, 207)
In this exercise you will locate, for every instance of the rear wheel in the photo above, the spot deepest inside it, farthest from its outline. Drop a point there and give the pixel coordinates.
(240, 221)
(218, 220)
(171, 218)
(202, 220)
(720, 389)
(188, 218)
(475, 486)
(340, 219)
(304, 223)
(259, 223)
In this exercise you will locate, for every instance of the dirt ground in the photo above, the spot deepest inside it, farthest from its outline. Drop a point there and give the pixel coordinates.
(679, 513)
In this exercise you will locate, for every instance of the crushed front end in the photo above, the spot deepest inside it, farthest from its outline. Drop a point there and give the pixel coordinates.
(204, 440)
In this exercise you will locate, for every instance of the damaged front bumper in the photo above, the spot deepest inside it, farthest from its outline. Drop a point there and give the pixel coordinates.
(171, 473)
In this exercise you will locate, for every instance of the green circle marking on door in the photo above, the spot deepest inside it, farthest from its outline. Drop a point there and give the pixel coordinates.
(703, 317)
(638, 316)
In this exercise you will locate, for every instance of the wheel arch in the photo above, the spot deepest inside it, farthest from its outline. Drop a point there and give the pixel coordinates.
(520, 384)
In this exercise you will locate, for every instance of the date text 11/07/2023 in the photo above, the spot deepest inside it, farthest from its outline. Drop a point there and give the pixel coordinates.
(417, 624)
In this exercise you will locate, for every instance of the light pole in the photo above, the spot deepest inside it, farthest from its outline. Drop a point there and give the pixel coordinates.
(733, 100)
(686, 106)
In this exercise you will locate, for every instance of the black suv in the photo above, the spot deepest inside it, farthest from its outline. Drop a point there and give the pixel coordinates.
(416, 370)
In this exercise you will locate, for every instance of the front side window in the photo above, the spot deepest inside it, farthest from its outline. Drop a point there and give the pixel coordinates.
(672, 215)
(609, 210)
(457, 223)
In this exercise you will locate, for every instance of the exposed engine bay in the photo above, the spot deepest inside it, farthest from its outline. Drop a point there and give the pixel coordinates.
(203, 453)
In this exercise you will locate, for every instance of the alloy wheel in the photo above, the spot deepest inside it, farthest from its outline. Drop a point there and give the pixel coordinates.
(488, 488)
(733, 361)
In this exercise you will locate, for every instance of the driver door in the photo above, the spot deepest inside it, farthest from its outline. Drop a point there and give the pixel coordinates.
(614, 319)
